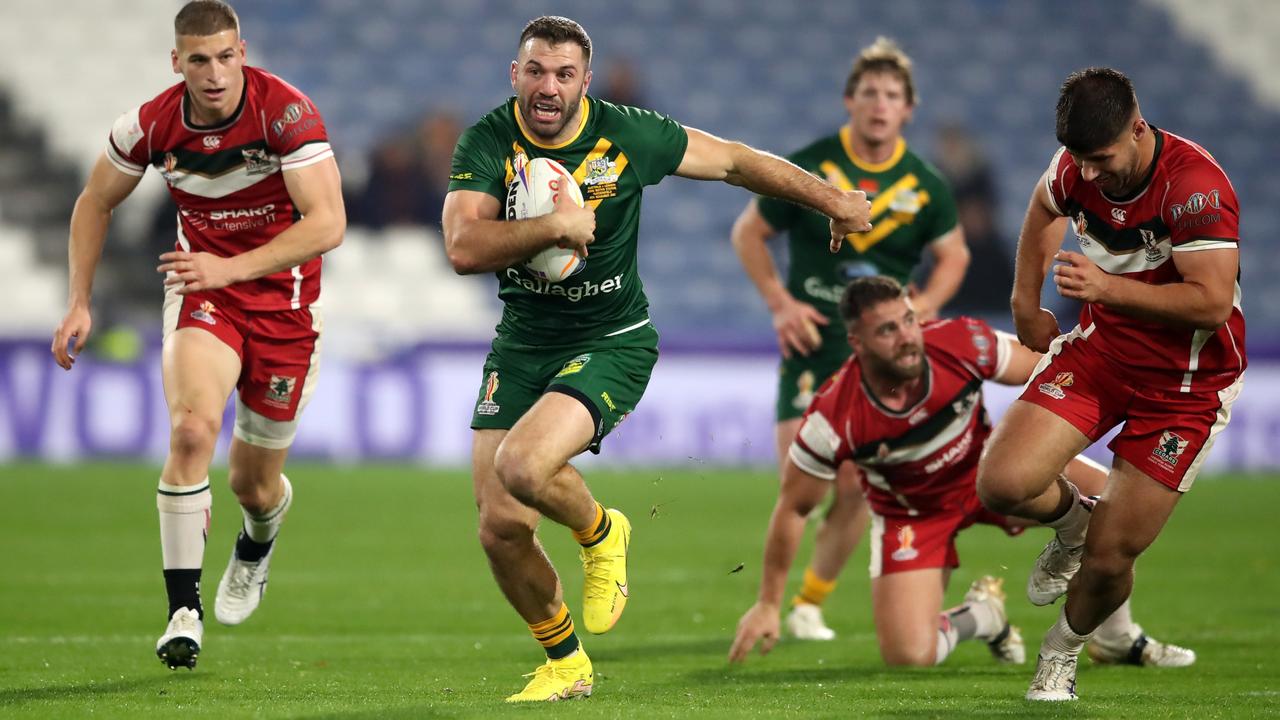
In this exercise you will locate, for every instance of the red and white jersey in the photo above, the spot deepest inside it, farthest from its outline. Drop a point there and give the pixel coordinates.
(921, 459)
(227, 179)
(1186, 205)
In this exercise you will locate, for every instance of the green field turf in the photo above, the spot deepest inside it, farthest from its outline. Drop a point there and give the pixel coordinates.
(381, 605)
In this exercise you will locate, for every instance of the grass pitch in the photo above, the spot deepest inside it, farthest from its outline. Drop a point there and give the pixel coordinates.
(381, 605)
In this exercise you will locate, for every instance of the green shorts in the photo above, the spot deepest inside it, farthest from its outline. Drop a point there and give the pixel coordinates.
(800, 377)
(608, 376)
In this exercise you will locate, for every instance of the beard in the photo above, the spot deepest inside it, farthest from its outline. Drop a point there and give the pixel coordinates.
(540, 128)
(893, 369)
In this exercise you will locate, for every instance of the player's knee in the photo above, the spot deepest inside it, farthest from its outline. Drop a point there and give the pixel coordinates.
(999, 489)
(909, 654)
(1107, 565)
(518, 474)
(255, 494)
(498, 534)
(194, 436)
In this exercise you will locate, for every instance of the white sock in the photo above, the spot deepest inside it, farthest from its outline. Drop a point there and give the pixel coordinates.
(1119, 627)
(263, 528)
(184, 523)
(1074, 523)
(1062, 639)
(948, 637)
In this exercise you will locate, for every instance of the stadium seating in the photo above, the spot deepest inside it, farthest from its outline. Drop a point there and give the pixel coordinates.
(765, 72)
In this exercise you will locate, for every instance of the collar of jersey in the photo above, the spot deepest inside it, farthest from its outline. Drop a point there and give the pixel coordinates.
(846, 139)
(584, 109)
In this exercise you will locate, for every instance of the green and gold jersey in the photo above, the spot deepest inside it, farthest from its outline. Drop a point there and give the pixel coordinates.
(911, 206)
(616, 152)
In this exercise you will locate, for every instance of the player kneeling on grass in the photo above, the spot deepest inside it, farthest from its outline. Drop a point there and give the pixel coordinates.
(248, 162)
(907, 409)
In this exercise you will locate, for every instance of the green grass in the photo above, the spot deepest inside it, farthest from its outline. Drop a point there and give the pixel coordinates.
(381, 605)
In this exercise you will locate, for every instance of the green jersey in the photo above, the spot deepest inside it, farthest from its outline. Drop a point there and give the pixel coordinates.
(911, 206)
(616, 152)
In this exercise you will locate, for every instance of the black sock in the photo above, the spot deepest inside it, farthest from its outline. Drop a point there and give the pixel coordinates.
(249, 550)
(183, 587)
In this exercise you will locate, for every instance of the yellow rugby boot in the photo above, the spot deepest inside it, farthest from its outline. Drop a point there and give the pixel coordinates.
(564, 679)
(604, 565)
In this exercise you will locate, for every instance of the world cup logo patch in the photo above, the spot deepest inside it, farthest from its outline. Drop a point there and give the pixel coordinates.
(487, 406)
(1054, 389)
(906, 540)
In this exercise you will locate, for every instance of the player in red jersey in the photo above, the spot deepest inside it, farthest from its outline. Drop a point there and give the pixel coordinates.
(1159, 348)
(248, 162)
(907, 409)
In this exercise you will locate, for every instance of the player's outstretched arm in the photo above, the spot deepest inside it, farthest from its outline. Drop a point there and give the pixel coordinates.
(708, 157)
(316, 192)
(476, 241)
(1017, 363)
(950, 261)
(794, 321)
(800, 494)
(1041, 236)
(106, 189)
(1202, 301)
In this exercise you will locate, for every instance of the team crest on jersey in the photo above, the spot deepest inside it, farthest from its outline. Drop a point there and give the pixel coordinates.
(487, 406)
(1081, 226)
(601, 170)
(169, 169)
(906, 205)
(1149, 242)
(1170, 448)
(280, 391)
(1054, 389)
(804, 390)
(906, 541)
(205, 313)
(574, 366)
(258, 162)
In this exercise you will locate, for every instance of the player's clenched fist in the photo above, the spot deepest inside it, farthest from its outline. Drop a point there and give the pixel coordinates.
(854, 216)
(759, 624)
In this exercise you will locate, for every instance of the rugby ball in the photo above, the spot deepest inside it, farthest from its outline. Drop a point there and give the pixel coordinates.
(532, 194)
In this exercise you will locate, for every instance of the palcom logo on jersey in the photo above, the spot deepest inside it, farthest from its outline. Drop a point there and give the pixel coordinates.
(1054, 389)
(293, 112)
(1196, 204)
(487, 406)
(905, 551)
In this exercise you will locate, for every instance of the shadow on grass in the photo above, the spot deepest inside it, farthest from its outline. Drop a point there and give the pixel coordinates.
(87, 689)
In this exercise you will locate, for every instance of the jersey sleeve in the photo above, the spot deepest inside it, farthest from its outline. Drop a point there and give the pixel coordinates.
(819, 448)
(125, 147)
(658, 144)
(295, 130)
(980, 349)
(478, 163)
(1201, 209)
(1061, 180)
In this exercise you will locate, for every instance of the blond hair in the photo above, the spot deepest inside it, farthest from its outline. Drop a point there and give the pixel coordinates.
(882, 56)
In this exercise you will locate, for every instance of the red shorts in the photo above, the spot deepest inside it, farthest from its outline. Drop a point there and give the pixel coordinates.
(1167, 434)
(277, 349)
(902, 543)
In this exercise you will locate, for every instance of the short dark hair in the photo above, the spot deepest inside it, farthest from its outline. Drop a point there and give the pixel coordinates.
(200, 18)
(556, 30)
(1095, 106)
(882, 56)
(865, 293)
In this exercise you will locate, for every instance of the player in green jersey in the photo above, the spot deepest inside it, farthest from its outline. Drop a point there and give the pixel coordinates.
(913, 211)
(572, 359)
